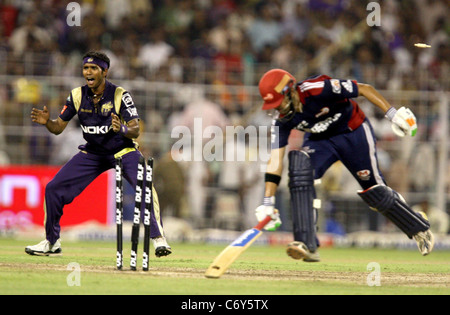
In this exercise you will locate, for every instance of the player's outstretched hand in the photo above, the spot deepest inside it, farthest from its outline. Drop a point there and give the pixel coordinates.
(404, 122)
(115, 122)
(262, 211)
(268, 208)
(40, 116)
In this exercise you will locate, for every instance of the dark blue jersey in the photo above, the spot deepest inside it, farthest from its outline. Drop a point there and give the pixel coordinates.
(328, 110)
(95, 120)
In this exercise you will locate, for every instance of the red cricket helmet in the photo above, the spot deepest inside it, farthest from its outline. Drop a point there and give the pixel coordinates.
(272, 87)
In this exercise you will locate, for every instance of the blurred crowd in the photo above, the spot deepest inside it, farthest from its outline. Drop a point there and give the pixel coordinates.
(158, 40)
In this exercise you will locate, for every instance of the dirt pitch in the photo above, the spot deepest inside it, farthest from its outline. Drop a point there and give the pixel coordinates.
(387, 278)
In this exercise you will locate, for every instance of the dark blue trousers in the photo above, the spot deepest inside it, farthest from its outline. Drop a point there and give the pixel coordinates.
(356, 150)
(76, 175)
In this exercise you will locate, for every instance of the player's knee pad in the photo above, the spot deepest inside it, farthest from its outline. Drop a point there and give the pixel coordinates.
(392, 205)
(301, 186)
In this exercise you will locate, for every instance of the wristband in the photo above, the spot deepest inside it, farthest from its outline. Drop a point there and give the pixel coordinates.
(123, 130)
(272, 178)
(390, 113)
(269, 201)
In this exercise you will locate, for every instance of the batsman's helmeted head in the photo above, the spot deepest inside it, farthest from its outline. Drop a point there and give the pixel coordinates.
(273, 87)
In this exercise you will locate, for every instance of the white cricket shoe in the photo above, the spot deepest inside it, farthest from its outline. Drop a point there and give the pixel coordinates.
(161, 246)
(299, 250)
(425, 242)
(44, 248)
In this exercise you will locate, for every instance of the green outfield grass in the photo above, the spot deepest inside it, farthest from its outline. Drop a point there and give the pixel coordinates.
(259, 271)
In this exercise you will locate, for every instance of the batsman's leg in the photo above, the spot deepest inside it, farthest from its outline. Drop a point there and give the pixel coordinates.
(301, 186)
(391, 204)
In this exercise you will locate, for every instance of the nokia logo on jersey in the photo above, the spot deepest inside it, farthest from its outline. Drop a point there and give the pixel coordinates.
(96, 130)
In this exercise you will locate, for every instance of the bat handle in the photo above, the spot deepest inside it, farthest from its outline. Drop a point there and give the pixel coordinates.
(263, 223)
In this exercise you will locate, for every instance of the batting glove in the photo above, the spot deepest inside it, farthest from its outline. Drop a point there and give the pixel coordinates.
(403, 121)
(268, 209)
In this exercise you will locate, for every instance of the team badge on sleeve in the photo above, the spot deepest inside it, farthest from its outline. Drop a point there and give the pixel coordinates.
(348, 85)
(127, 100)
(132, 111)
(335, 86)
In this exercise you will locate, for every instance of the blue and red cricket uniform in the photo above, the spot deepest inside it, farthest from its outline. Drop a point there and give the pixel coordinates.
(335, 129)
(98, 155)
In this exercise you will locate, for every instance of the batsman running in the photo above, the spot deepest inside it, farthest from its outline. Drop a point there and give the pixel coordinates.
(335, 129)
(110, 123)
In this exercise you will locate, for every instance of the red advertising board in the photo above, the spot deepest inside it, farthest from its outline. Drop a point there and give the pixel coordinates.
(22, 190)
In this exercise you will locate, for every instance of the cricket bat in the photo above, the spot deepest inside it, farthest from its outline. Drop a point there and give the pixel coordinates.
(234, 250)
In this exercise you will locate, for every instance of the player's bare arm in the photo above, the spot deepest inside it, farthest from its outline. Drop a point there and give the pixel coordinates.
(274, 167)
(371, 94)
(130, 130)
(55, 126)
(272, 180)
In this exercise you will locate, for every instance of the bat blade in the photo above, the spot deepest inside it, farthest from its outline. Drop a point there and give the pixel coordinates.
(234, 250)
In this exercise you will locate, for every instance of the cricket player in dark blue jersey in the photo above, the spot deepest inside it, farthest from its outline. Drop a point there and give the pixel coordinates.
(335, 129)
(110, 123)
